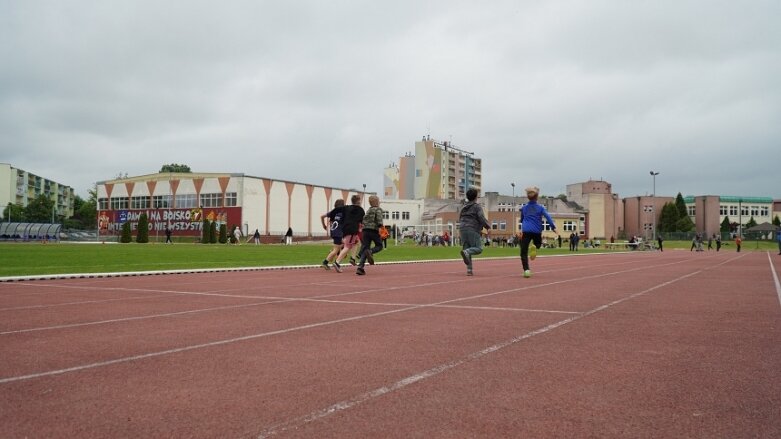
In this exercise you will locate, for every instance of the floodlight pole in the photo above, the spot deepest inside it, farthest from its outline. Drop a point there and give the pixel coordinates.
(653, 205)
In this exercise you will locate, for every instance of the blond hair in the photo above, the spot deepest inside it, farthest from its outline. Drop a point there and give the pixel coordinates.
(374, 201)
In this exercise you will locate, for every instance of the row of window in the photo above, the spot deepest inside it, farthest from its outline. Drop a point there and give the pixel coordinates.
(181, 201)
(395, 215)
(745, 210)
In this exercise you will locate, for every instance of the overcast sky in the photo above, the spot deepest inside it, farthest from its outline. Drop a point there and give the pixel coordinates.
(330, 92)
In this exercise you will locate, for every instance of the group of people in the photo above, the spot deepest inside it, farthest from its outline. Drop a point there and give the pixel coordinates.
(350, 226)
(472, 221)
(698, 239)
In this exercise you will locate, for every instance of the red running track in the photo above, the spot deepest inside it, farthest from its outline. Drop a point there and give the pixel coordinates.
(673, 344)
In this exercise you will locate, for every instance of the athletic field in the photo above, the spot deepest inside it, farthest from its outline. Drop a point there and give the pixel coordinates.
(639, 344)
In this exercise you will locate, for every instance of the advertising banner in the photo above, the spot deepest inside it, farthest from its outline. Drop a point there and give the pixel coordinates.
(182, 222)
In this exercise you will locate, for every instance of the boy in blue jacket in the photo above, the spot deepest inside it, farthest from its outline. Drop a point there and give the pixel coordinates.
(531, 227)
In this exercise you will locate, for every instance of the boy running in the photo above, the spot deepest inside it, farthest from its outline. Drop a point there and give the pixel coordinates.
(531, 227)
(372, 222)
(335, 225)
(471, 221)
(353, 217)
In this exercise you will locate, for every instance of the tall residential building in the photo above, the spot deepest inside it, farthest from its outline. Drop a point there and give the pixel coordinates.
(437, 170)
(18, 186)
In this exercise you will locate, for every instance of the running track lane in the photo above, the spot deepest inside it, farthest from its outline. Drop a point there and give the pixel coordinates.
(267, 384)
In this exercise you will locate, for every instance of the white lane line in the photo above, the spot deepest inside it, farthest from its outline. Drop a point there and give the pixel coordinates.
(412, 379)
(83, 302)
(300, 328)
(268, 301)
(775, 277)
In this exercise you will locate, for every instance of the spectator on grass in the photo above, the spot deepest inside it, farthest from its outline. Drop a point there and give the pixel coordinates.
(289, 236)
(738, 241)
(256, 237)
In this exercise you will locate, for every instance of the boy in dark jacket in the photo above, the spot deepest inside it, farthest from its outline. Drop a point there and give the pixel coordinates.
(372, 221)
(471, 222)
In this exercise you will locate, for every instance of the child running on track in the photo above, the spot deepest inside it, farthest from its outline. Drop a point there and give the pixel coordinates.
(531, 228)
(471, 221)
(335, 225)
(372, 222)
(353, 217)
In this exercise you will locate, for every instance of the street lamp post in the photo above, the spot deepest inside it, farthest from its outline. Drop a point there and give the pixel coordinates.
(363, 199)
(513, 208)
(653, 206)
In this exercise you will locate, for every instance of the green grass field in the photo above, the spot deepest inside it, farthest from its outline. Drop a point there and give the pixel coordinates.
(20, 259)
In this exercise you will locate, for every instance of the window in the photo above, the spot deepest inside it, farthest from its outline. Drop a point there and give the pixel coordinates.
(161, 201)
(545, 225)
(231, 200)
(502, 225)
(395, 215)
(568, 226)
(744, 210)
(185, 201)
(211, 200)
(385, 214)
(764, 211)
(733, 210)
(102, 203)
(418, 172)
(119, 203)
(494, 225)
(405, 215)
(139, 203)
(754, 210)
(691, 211)
(723, 210)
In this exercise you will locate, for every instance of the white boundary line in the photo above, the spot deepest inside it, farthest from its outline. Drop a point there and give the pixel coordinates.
(412, 379)
(775, 277)
(309, 326)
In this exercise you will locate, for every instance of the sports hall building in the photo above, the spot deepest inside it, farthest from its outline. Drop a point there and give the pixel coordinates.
(182, 200)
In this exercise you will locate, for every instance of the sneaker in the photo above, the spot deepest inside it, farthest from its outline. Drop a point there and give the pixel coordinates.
(466, 257)
(337, 267)
(325, 265)
(532, 252)
(360, 271)
(527, 273)
(469, 272)
(352, 261)
(369, 256)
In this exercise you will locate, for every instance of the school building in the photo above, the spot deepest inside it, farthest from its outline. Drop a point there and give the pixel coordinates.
(708, 211)
(182, 200)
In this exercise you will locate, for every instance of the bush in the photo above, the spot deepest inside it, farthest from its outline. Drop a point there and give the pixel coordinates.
(142, 236)
(205, 232)
(213, 233)
(223, 233)
(125, 237)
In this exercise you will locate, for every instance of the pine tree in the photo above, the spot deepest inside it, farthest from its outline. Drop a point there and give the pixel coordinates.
(751, 222)
(776, 221)
(668, 219)
(223, 233)
(142, 235)
(681, 206)
(126, 236)
(726, 225)
(213, 233)
(205, 232)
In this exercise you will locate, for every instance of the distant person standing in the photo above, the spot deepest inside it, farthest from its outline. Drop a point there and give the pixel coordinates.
(710, 243)
(572, 242)
(718, 242)
(289, 236)
(256, 237)
(471, 222)
(168, 235)
(237, 235)
(532, 214)
(738, 242)
(660, 241)
(558, 239)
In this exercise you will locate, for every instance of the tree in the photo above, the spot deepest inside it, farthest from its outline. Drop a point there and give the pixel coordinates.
(751, 223)
(125, 237)
(668, 219)
(213, 233)
(726, 225)
(562, 197)
(13, 213)
(681, 205)
(205, 232)
(39, 210)
(142, 236)
(223, 233)
(685, 224)
(776, 221)
(175, 167)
